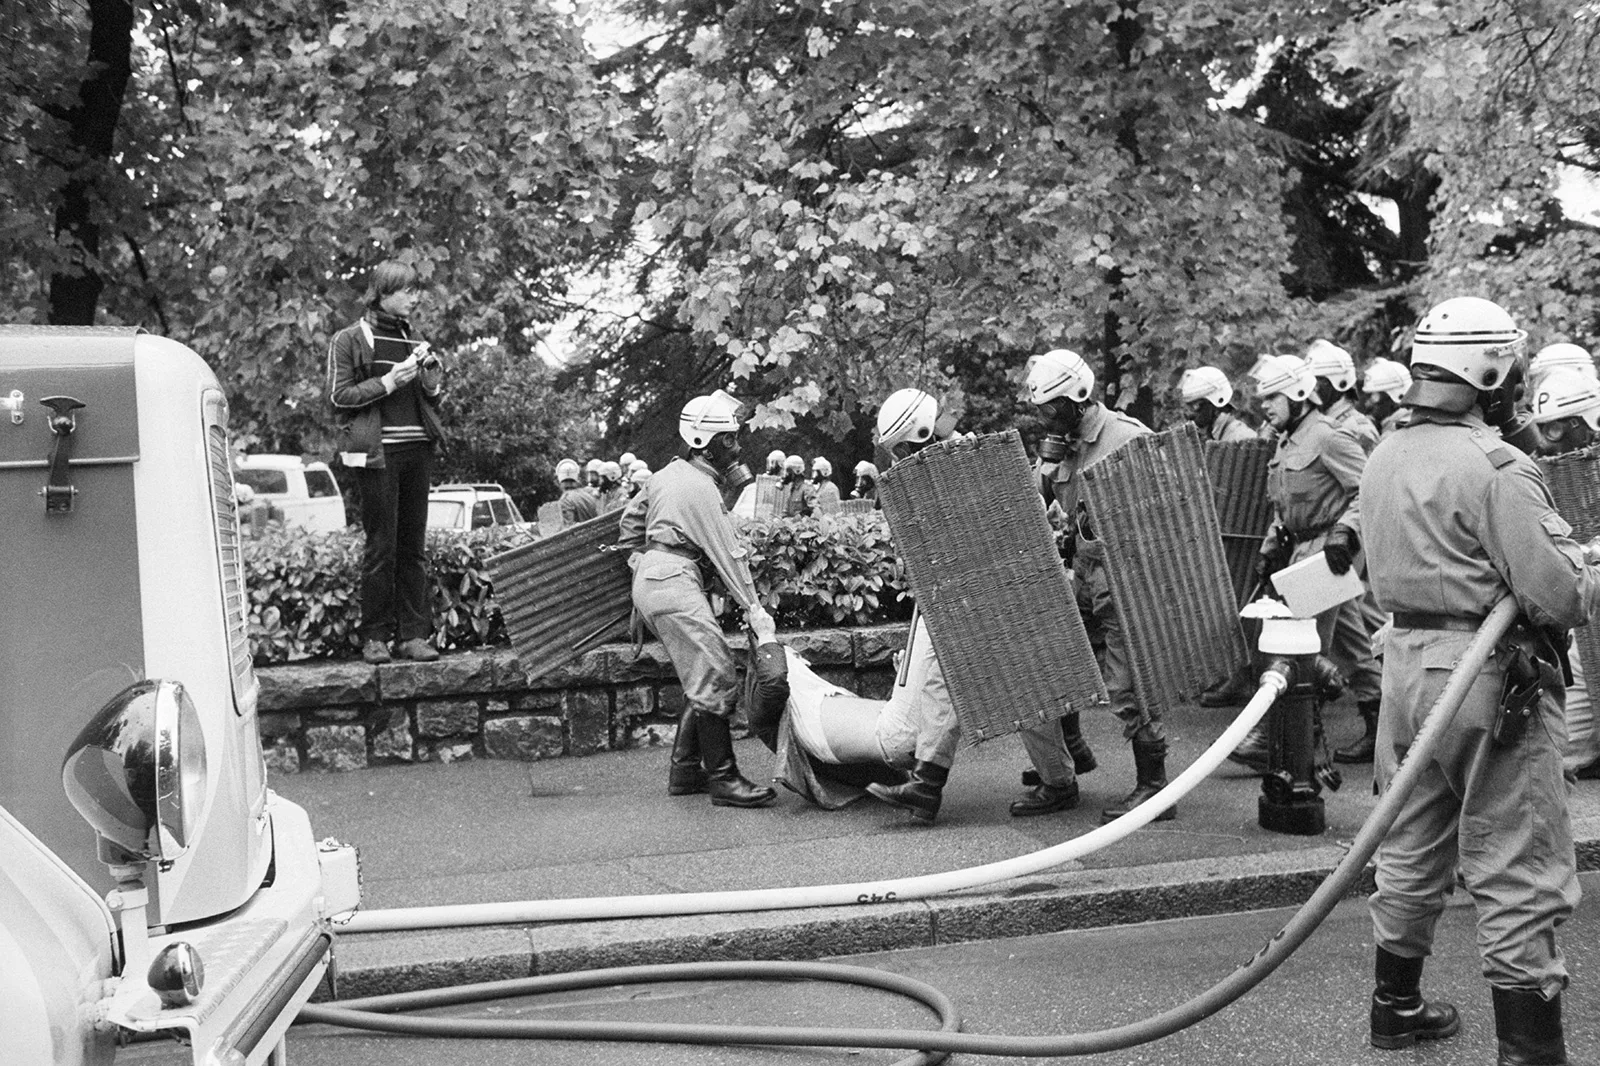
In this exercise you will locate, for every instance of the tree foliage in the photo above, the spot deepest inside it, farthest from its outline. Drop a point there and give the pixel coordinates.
(843, 196)
(271, 152)
(815, 200)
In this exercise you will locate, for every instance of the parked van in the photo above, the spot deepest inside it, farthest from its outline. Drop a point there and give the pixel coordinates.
(151, 882)
(306, 493)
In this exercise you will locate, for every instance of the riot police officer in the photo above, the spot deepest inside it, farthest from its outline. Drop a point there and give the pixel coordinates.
(677, 528)
(1456, 518)
(1080, 431)
(1208, 401)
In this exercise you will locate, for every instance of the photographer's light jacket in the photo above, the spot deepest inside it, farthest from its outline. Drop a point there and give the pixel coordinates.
(358, 358)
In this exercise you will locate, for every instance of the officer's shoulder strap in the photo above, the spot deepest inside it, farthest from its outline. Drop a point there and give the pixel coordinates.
(1499, 452)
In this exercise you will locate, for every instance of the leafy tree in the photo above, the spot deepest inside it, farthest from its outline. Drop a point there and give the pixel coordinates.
(269, 153)
(508, 421)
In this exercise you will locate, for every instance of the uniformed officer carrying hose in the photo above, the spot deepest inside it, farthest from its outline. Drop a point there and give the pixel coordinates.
(678, 531)
(1455, 518)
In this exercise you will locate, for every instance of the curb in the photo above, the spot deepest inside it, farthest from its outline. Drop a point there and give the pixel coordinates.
(380, 963)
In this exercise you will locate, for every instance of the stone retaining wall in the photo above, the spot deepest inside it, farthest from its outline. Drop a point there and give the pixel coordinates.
(344, 716)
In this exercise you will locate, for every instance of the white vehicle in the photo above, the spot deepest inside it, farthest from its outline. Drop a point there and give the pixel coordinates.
(128, 701)
(475, 506)
(306, 493)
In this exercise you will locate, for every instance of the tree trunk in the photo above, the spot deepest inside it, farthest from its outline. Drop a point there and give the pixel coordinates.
(92, 127)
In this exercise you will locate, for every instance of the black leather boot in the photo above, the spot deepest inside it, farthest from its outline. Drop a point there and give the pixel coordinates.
(727, 786)
(920, 795)
(1529, 1028)
(1253, 751)
(685, 777)
(1046, 799)
(1361, 750)
(1400, 1016)
(1150, 768)
(1083, 759)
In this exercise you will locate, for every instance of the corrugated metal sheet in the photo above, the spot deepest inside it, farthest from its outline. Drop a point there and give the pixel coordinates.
(562, 594)
(1238, 472)
(1153, 508)
(980, 557)
(1574, 481)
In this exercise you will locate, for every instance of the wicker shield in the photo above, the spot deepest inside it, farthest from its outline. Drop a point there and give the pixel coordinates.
(969, 524)
(1238, 473)
(1574, 481)
(563, 594)
(1152, 507)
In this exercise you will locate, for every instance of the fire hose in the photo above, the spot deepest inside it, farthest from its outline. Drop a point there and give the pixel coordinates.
(366, 1014)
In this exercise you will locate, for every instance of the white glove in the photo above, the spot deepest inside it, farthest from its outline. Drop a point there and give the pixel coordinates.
(761, 623)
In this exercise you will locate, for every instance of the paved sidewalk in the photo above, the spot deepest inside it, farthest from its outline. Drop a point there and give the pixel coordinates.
(492, 831)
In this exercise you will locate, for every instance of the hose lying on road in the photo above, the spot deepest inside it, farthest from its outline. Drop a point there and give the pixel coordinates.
(1276, 950)
(767, 899)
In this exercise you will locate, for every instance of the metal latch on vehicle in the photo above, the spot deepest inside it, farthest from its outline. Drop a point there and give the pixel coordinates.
(13, 403)
(59, 490)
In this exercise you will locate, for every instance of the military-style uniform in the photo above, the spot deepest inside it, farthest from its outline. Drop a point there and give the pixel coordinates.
(1229, 428)
(578, 505)
(1344, 414)
(1456, 519)
(1313, 482)
(675, 523)
(1101, 432)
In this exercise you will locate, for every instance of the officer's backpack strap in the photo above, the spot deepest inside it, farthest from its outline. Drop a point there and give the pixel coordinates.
(1499, 452)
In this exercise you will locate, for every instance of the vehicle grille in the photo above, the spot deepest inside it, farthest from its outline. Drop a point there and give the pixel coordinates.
(230, 554)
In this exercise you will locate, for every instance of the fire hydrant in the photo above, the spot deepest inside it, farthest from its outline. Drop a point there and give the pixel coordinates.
(1291, 789)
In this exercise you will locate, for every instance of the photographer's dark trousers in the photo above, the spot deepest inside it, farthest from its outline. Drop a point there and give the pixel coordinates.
(394, 568)
(1499, 814)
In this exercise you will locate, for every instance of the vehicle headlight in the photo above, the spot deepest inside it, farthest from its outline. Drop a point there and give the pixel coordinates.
(137, 771)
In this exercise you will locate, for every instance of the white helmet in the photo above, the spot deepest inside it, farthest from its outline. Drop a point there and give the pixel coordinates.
(821, 467)
(1328, 360)
(795, 464)
(1283, 375)
(1473, 338)
(638, 465)
(1056, 374)
(567, 470)
(907, 416)
(1206, 383)
(775, 457)
(705, 416)
(1388, 377)
(640, 475)
(1561, 356)
(627, 460)
(611, 470)
(866, 469)
(1567, 394)
(593, 466)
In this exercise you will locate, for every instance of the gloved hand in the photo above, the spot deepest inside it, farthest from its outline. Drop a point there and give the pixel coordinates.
(1340, 549)
(761, 624)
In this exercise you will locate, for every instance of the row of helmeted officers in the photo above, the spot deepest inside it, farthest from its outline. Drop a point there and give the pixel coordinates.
(1434, 497)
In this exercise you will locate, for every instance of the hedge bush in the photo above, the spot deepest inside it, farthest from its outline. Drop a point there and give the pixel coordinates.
(305, 599)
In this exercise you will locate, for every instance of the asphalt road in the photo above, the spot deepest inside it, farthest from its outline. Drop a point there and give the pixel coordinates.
(1312, 1011)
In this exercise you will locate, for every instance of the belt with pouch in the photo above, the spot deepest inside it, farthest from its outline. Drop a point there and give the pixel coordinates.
(1457, 623)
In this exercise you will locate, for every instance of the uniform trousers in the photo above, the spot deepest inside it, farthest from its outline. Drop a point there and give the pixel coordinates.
(919, 721)
(669, 593)
(1583, 732)
(1498, 814)
(1092, 586)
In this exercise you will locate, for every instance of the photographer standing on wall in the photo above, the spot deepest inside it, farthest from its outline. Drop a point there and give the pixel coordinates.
(385, 384)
